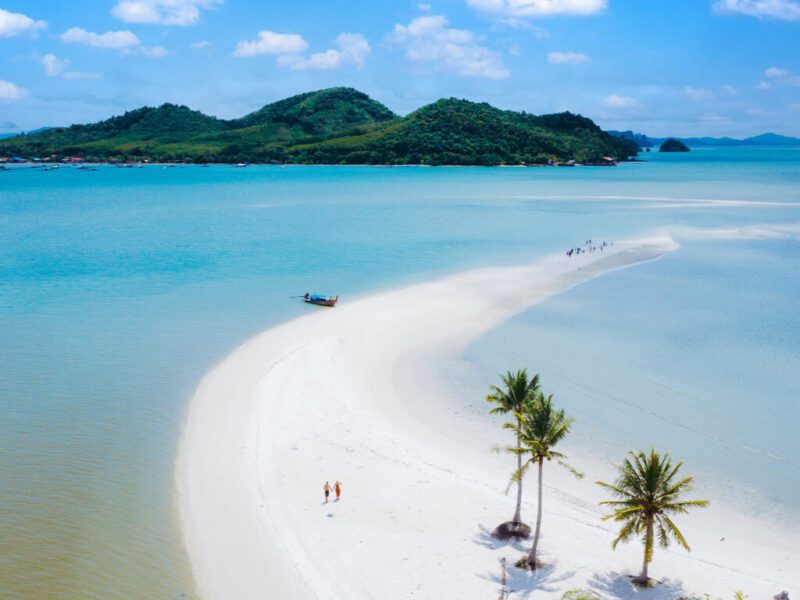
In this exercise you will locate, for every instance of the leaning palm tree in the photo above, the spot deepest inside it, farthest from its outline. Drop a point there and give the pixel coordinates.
(648, 493)
(541, 427)
(516, 393)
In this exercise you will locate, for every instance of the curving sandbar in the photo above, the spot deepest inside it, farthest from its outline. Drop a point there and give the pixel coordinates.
(351, 394)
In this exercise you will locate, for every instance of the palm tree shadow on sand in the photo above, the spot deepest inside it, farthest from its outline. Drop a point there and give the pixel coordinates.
(519, 581)
(487, 540)
(522, 583)
(619, 586)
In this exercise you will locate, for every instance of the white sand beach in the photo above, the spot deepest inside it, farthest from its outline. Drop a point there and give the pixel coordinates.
(352, 393)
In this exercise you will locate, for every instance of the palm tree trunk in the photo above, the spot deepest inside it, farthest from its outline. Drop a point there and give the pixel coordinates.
(648, 551)
(532, 555)
(518, 511)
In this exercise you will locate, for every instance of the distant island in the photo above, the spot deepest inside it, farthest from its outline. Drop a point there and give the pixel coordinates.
(765, 140)
(673, 145)
(332, 126)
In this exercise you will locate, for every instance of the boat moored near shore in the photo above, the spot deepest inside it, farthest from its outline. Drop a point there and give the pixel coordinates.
(320, 299)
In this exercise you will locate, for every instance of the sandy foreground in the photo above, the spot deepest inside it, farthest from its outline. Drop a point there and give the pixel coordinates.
(352, 394)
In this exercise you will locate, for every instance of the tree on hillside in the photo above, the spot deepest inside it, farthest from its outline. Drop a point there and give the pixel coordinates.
(540, 428)
(648, 493)
(516, 393)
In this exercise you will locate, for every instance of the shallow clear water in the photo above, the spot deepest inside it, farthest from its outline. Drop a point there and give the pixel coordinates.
(695, 353)
(119, 288)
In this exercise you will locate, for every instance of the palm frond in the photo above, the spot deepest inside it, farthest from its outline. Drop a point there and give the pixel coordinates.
(647, 490)
(675, 532)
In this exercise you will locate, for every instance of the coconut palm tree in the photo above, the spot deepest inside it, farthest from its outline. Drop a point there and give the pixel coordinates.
(648, 493)
(540, 428)
(516, 392)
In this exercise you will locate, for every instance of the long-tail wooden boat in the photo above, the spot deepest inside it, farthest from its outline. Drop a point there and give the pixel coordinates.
(320, 300)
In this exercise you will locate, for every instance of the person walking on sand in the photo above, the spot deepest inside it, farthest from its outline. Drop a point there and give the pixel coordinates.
(327, 489)
(337, 488)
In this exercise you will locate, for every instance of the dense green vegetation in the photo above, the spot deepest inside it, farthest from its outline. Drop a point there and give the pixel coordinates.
(673, 145)
(334, 126)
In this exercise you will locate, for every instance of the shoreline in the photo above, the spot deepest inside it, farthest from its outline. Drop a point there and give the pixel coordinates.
(352, 394)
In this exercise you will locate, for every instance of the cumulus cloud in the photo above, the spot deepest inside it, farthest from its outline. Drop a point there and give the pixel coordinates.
(162, 12)
(539, 8)
(53, 66)
(57, 67)
(154, 52)
(615, 101)
(776, 76)
(10, 91)
(269, 42)
(566, 58)
(353, 50)
(787, 10)
(125, 41)
(696, 94)
(12, 24)
(776, 73)
(429, 40)
(110, 39)
(729, 90)
(202, 46)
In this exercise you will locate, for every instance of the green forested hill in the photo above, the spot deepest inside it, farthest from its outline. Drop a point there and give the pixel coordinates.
(337, 126)
(458, 132)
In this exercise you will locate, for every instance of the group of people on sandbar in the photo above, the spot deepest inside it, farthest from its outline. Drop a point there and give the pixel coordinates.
(588, 247)
(337, 489)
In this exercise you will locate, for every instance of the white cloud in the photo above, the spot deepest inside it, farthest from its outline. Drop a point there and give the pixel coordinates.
(424, 7)
(729, 90)
(353, 50)
(429, 40)
(154, 52)
(539, 8)
(110, 39)
(269, 42)
(540, 33)
(57, 67)
(514, 23)
(697, 94)
(201, 46)
(778, 76)
(615, 101)
(53, 66)
(125, 41)
(787, 10)
(10, 91)
(566, 58)
(776, 73)
(162, 12)
(12, 24)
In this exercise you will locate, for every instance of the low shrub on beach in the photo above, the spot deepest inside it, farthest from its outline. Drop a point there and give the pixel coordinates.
(580, 595)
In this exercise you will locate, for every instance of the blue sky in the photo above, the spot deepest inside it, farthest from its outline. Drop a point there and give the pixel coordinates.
(662, 67)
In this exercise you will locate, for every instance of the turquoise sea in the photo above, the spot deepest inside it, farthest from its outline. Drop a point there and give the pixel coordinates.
(119, 288)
